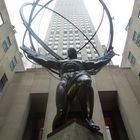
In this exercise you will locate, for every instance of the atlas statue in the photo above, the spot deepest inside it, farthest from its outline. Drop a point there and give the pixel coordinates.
(74, 94)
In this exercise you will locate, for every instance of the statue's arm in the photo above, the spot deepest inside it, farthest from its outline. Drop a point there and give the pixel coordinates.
(100, 62)
(42, 59)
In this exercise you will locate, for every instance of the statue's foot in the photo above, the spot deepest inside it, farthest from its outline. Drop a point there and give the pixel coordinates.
(58, 120)
(92, 126)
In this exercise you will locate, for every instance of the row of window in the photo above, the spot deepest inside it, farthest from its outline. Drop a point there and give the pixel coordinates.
(64, 52)
(82, 20)
(6, 45)
(70, 42)
(71, 29)
(136, 39)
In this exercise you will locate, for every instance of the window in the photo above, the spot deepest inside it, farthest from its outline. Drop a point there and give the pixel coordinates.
(78, 47)
(131, 58)
(76, 31)
(1, 19)
(65, 32)
(70, 38)
(89, 56)
(77, 38)
(6, 44)
(87, 46)
(50, 39)
(88, 51)
(71, 45)
(55, 47)
(77, 42)
(64, 42)
(65, 27)
(71, 42)
(51, 35)
(3, 81)
(136, 38)
(65, 35)
(55, 51)
(56, 42)
(56, 39)
(86, 41)
(90, 34)
(64, 52)
(52, 31)
(70, 32)
(64, 47)
(57, 32)
(49, 46)
(96, 55)
(57, 35)
(13, 63)
(70, 35)
(50, 43)
(79, 56)
(93, 41)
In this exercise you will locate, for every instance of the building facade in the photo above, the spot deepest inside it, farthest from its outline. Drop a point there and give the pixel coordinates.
(28, 108)
(10, 58)
(131, 54)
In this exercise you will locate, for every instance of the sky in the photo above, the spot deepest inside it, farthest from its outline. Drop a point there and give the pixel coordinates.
(120, 11)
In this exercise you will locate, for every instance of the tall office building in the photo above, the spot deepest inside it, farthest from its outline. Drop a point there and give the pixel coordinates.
(10, 58)
(131, 55)
(61, 34)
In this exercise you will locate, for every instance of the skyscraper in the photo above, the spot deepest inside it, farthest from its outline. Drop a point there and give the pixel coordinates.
(61, 34)
(131, 54)
(10, 57)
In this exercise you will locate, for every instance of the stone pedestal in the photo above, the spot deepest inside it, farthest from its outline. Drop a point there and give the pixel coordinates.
(75, 131)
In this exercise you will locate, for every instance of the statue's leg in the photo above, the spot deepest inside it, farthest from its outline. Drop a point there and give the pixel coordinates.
(86, 98)
(61, 105)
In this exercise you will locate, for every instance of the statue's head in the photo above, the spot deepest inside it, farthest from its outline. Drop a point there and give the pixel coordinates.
(72, 54)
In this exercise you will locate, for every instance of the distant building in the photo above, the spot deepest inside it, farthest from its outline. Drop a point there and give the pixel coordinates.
(131, 54)
(10, 57)
(61, 34)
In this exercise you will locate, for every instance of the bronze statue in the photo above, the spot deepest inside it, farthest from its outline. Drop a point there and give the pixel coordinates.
(74, 94)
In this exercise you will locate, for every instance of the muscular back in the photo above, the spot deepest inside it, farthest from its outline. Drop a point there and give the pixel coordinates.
(71, 66)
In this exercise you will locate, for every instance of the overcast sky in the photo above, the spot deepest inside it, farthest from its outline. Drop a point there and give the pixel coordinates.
(120, 11)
